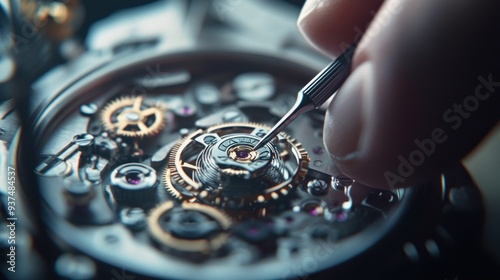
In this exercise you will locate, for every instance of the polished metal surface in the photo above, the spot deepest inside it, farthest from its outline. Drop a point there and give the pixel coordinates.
(190, 199)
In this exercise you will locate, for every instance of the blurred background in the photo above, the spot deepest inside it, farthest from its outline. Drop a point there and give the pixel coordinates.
(36, 36)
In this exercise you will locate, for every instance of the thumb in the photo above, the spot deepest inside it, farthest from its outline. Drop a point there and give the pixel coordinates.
(423, 91)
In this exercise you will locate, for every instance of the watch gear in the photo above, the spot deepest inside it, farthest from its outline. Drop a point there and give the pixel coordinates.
(218, 166)
(190, 228)
(131, 117)
(288, 219)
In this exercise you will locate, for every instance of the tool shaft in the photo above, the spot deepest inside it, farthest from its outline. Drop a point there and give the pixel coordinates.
(315, 93)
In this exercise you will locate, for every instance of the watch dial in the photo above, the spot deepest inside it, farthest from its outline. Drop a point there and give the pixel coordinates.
(150, 166)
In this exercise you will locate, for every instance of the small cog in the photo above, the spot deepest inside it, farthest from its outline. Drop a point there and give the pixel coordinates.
(131, 117)
(191, 228)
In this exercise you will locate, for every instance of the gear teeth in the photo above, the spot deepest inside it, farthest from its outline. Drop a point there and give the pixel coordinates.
(174, 193)
(115, 108)
(176, 181)
(168, 185)
(197, 246)
(167, 178)
(236, 124)
(171, 174)
(234, 172)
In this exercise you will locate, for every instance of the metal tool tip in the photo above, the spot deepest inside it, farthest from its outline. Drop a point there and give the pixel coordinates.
(260, 144)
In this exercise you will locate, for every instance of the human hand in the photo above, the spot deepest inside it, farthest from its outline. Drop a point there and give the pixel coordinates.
(424, 88)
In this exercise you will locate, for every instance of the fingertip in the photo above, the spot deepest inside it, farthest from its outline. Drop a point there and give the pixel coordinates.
(346, 117)
(332, 25)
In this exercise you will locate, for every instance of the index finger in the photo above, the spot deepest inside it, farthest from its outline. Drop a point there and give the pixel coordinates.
(331, 25)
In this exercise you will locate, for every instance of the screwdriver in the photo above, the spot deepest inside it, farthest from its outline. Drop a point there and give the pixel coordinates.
(315, 93)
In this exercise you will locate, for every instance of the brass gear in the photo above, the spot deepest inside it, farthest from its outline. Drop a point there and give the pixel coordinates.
(216, 236)
(182, 185)
(131, 117)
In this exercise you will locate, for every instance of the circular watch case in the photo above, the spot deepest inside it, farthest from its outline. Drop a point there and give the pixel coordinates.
(144, 168)
(222, 210)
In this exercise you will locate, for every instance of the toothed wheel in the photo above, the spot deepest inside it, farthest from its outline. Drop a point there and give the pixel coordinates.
(218, 166)
(191, 228)
(131, 117)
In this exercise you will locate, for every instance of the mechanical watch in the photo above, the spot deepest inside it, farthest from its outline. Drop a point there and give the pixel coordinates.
(135, 160)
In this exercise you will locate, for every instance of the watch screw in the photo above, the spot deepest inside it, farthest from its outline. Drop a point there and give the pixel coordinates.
(134, 218)
(318, 150)
(72, 266)
(85, 143)
(317, 187)
(341, 182)
(184, 132)
(78, 194)
(88, 109)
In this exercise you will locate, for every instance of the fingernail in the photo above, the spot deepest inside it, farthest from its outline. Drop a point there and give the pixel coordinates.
(309, 6)
(346, 115)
